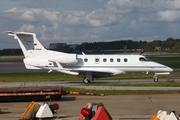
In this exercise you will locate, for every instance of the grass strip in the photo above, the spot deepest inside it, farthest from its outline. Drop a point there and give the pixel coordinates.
(38, 76)
(157, 84)
(57, 76)
(122, 92)
(11, 58)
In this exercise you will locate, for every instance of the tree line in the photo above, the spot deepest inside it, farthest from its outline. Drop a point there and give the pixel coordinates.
(16, 51)
(170, 45)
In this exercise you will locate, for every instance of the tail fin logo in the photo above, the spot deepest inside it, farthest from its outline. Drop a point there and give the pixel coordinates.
(36, 47)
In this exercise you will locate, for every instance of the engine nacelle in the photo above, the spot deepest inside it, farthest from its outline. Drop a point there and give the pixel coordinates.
(64, 58)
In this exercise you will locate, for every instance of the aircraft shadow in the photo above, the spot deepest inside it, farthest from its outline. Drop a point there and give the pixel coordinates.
(80, 82)
(104, 82)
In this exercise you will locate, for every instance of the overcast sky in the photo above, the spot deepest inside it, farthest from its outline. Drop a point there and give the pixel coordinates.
(77, 21)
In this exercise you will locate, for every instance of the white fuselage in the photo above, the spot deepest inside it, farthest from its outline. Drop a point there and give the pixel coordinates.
(125, 63)
(113, 64)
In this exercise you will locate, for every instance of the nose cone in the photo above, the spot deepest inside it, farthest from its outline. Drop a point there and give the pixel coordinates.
(168, 69)
(163, 68)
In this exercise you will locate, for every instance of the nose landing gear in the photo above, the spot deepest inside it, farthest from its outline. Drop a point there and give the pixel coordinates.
(155, 78)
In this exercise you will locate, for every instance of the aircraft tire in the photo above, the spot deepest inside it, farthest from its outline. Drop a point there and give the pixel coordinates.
(156, 79)
(86, 81)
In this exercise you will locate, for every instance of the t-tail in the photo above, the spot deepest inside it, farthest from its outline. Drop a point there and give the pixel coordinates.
(37, 57)
(29, 44)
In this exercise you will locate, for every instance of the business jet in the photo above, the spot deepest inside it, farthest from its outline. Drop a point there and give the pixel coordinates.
(87, 66)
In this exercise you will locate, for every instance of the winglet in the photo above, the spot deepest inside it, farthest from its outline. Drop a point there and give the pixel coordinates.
(10, 33)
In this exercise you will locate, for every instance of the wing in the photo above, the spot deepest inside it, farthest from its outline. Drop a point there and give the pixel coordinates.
(100, 72)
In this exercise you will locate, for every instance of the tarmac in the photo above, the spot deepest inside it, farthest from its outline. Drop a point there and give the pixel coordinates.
(120, 107)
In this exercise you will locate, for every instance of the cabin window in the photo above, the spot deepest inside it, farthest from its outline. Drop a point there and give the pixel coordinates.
(104, 60)
(97, 60)
(85, 60)
(50, 63)
(142, 59)
(111, 60)
(118, 60)
(125, 59)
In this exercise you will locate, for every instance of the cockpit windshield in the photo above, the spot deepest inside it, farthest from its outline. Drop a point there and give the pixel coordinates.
(143, 59)
(148, 59)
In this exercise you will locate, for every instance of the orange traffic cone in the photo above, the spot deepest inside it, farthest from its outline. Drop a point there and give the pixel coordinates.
(154, 118)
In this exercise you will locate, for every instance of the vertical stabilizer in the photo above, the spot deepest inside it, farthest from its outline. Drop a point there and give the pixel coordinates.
(29, 44)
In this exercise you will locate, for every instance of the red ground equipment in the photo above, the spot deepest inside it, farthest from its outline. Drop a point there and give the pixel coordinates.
(94, 111)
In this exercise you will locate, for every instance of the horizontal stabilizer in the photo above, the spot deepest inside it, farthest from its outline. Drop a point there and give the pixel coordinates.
(31, 67)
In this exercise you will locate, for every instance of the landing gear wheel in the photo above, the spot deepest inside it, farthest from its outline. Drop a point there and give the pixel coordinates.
(155, 79)
(86, 81)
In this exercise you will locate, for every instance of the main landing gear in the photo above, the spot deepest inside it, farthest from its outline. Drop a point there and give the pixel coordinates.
(86, 80)
(87, 77)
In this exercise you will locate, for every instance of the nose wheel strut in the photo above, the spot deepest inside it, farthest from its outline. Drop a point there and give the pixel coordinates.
(155, 78)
